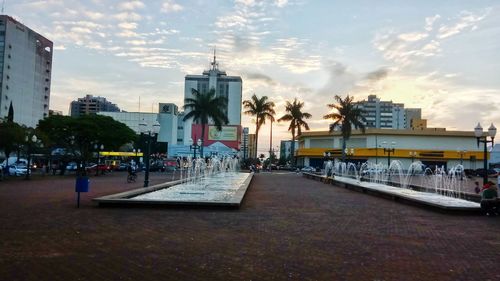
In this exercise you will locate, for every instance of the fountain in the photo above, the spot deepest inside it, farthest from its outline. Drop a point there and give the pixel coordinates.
(216, 182)
(439, 188)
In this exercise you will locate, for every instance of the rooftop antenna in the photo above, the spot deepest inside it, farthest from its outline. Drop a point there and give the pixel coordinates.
(214, 64)
(3, 6)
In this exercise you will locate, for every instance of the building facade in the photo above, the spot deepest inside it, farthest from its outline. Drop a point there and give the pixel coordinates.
(286, 149)
(133, 119)
(25, 72)
(433, 147)
(387, 115)
(91, 105)
(226, 86)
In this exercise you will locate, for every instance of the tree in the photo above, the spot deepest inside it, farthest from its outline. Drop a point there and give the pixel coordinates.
(12, 137)
(348, 115)
(262, 109)
(204, 107)
(296, 117)
(78, 135)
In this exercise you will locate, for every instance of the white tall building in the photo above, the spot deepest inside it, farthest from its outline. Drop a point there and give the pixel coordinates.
(387, 115)
(168, 118)
(226, 86)
(25, 72)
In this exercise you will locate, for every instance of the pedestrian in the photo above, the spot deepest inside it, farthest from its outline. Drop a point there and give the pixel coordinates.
(476, 188)
(489, 199)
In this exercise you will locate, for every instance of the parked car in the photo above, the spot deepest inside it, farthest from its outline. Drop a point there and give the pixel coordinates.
(490, 172)
(17, 170)
(121, 167)
(308, 169)
(72, 166)
(101, 167)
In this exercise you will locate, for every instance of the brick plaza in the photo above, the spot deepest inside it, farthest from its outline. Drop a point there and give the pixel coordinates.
(288, 228)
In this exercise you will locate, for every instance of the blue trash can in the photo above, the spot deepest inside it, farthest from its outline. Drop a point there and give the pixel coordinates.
(82, 184)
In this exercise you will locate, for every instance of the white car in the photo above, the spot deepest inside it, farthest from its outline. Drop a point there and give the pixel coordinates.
(308, 169)
(17, 170)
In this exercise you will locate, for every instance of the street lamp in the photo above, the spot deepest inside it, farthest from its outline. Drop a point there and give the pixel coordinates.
(149, 135)
(98, 148)
(349, 153)
(461, 153)
(413, 154)
(136, 160)
(481, 138)
(33, 140)
(389, 151)
(195, 146)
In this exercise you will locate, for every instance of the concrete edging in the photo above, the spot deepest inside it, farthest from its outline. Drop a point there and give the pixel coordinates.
(396, 197)
(124, 198)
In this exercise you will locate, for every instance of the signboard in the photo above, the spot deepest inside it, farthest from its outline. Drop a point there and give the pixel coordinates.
(226, 134)
(116, 153)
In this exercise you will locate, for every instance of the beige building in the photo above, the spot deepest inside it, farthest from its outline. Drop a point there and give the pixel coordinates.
(252, 150)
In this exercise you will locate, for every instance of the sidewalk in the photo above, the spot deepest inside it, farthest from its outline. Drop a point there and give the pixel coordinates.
(289, 228)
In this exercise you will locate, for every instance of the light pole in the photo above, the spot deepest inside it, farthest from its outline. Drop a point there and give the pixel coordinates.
(98, 148)
(413, 154)
(29, 144)
(461, 153)
(194, 146)
(135, 158)
(389, 151)
(349, 153)
(149, 135)
(481, 138)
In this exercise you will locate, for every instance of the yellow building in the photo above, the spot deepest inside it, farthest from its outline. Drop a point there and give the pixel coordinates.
(433, 147)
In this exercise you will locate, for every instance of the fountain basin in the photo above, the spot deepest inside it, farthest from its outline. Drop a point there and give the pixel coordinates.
(224, 190)
(426, 199)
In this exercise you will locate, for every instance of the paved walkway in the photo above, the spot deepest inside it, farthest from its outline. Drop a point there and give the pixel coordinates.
(289, 228)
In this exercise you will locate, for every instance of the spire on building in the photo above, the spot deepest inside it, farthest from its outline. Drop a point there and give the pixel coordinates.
(214, 63)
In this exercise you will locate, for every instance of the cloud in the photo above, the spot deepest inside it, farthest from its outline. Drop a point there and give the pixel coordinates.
(131, 5)
(429, 22)
(377, 75)
(127, 25)
(128, 16)
(281, 3)
(413, 36)
(170, 6)
(260, 77)
(467, 20)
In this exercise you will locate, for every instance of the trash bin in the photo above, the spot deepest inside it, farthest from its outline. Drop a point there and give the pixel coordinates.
(82, 184)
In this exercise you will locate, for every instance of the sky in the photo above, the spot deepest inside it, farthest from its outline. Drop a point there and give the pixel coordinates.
(441, 56)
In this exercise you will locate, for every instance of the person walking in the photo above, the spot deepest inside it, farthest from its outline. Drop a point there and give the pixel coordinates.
(476, 188)
(489, 199)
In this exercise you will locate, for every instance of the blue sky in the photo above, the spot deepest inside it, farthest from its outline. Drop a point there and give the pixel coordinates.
(442, 56)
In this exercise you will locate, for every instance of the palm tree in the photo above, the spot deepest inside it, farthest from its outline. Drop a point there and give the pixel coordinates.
(204, 107)
(348, 116)
(296, 117)
(262, 109)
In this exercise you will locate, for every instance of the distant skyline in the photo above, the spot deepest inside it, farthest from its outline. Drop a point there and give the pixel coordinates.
(441, 56)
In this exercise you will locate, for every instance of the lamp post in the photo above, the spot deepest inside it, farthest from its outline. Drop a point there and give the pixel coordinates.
(389, 151)
(481, 138)
(349, 153)
(136, 160)
(194, 146)
(149, 135)
(413, 154)
(461, 153)
(29, 144)
(98, 148)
